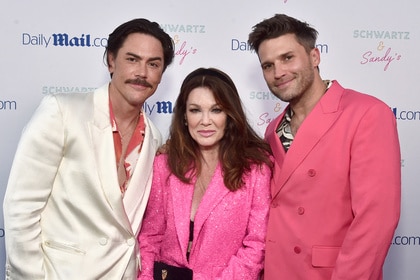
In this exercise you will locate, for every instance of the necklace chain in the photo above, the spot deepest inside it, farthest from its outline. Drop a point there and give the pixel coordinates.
(204, 179)
(129, 129)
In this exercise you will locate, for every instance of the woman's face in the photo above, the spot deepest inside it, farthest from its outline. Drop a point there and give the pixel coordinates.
(205, 119)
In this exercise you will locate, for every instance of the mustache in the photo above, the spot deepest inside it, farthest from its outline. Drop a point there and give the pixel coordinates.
(141, 82)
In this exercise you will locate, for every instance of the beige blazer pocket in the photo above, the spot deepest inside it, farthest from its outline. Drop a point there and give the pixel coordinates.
(323, 256)
(63, 248)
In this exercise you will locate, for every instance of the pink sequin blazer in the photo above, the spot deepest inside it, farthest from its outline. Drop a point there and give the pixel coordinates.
(229, 227)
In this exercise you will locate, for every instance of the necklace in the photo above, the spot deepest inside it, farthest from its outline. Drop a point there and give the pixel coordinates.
(200, 186)
(205, 176)
(128, 131)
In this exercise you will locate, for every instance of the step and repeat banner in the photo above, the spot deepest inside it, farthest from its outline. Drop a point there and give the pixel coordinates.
(370, 46)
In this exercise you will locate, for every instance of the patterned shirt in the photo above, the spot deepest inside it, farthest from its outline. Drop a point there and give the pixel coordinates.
(284, 130)
(133, 149)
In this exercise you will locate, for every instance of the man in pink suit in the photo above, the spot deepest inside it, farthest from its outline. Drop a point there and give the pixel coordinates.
(336, 185)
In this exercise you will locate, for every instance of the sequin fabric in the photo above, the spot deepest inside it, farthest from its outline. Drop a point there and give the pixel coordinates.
(229, 227)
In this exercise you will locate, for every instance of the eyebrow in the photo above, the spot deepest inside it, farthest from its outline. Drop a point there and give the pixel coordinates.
(287, 53)
(197, 105)
(281, 56)
(139, 57)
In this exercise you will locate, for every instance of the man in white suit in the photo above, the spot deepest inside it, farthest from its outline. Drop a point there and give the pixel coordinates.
(81, 176)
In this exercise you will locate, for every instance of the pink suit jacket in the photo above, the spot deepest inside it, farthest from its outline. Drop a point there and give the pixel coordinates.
(229, 227)
(336, 193)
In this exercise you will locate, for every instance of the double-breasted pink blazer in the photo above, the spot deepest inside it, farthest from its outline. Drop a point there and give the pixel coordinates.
(336, 192)
(229, 227)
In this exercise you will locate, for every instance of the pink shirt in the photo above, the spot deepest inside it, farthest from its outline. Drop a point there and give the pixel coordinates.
(133, 149)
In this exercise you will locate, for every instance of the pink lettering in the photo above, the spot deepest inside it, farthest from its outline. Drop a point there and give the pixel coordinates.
(264, 119)
(184, 52)
(368, 57)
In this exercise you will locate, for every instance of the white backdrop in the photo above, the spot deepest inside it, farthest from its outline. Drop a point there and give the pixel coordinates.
(369, 46)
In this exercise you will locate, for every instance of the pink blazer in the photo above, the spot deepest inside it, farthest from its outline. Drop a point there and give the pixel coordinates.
(336, 193)
(229, 227)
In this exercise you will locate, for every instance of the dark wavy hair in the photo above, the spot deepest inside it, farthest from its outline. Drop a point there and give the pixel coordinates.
(117, 37)
(240, 147)
(281, 24)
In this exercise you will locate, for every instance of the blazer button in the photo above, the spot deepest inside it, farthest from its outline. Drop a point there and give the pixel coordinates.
(274, 204)
(301, 210)
(297, 249)
(130, 241)
(103, 241)
(311, 172)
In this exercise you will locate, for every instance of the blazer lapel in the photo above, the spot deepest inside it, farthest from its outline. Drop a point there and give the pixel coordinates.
(181, 199)
(181, 195)
(278, 151)
(316, 124)
(137, 194)
(103, 144)
(214, 194)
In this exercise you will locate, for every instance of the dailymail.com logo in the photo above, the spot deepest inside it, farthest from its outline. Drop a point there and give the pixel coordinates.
(63, 40)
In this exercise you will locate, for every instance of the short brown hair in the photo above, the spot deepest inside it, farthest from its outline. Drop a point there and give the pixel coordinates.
(281, 24)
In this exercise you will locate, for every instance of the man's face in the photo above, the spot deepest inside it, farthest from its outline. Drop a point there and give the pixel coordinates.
(287, 67)
(136, 69)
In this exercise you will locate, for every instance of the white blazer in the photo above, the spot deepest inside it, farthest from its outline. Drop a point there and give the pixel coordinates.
(63, 211)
